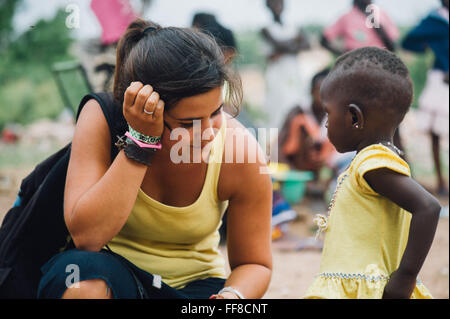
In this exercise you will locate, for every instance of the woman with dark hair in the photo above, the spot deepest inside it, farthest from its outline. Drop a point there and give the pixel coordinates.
(157, 217)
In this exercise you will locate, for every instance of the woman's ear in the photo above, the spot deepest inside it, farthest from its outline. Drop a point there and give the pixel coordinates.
(357, 116)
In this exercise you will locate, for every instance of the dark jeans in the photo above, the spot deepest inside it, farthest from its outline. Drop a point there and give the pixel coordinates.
(125, 280)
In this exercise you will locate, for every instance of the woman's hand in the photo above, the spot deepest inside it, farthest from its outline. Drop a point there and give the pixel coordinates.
(400, 286)
(139, 98)
(225, 295)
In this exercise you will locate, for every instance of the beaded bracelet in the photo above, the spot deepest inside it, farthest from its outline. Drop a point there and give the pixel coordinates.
(144, 138)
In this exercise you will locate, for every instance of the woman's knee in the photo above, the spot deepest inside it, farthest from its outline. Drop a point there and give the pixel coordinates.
(88, 289)
(88, 274)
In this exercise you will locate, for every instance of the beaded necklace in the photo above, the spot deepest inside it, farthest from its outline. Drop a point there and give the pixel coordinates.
(320, 220)
(389, 144)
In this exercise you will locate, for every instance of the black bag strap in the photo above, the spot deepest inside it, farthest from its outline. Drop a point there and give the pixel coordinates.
(112, 111)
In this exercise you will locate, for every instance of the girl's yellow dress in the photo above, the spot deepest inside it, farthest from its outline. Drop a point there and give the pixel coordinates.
(366, 234)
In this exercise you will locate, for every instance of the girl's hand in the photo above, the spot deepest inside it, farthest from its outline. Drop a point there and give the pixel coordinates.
(400, 286)
(139, 98)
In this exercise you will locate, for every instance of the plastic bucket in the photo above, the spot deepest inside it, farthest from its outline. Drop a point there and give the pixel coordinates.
(293, 184)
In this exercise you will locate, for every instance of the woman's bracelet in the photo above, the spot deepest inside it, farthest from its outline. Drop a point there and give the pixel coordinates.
(142, 144)
(135, 152)
(228, 289)
(144, 138)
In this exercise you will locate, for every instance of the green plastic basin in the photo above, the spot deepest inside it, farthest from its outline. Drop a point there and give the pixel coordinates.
(293, 184)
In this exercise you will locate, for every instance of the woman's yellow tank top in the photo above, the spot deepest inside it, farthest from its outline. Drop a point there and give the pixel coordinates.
(178, 243)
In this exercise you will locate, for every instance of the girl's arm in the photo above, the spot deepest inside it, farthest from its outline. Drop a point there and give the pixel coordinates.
(425, 209)
(99, 195)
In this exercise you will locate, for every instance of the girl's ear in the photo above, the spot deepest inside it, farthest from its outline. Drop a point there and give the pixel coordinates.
(357, 116)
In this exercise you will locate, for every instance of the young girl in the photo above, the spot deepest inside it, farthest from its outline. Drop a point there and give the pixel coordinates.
(380, 223)
(158, 218)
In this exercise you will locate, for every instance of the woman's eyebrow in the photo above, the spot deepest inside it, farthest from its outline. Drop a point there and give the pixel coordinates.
(199, 118)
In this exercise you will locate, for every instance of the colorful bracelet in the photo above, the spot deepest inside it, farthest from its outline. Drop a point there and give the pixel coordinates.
(144, 138)
(134, 151)
(142, 144)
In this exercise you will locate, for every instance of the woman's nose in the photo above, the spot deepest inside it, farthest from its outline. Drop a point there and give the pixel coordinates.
(209, 132)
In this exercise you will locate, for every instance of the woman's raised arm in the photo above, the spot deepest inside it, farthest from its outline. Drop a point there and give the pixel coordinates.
(99, 195)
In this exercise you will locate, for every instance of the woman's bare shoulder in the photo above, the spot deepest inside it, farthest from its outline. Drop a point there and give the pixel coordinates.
(91, 132)
(243, 163)
(241, 142)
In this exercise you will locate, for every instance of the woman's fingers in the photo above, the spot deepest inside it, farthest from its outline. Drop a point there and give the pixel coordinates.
(131, 93)
(158, 115)
(143, 109)
(141, 98)
(151, 103)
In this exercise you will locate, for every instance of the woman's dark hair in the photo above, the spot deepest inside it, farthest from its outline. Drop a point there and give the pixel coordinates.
(176, 62)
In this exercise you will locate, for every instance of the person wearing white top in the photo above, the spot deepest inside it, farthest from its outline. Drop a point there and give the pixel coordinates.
(283, 43)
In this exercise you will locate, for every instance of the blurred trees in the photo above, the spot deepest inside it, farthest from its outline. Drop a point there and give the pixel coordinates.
(27, 89)
(7, 9)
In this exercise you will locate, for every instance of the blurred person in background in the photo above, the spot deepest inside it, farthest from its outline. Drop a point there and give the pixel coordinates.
(283, 42)
(303, 142)
(303, 139)
(432, 33)
(224, 37)
(114, 17)
(355, 30)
